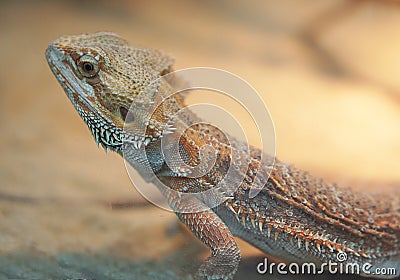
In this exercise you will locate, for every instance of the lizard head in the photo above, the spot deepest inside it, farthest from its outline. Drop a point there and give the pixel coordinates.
(103, 76)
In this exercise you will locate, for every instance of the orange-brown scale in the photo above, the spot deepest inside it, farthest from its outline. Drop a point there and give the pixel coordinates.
(292, 232)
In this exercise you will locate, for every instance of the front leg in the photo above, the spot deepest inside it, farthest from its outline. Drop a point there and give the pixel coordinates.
(212, 231)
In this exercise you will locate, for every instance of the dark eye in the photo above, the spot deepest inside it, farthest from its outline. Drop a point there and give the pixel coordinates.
(88, 66)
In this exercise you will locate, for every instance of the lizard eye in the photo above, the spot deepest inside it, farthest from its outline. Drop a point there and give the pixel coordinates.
(88, 66)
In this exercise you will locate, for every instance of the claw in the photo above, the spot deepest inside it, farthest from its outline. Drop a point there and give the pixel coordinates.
(318, 247)
(299, 242)
(231, 208)
(276, 235)
(252, 222)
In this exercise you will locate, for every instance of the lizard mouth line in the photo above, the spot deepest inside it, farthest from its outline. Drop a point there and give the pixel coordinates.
(64, 71)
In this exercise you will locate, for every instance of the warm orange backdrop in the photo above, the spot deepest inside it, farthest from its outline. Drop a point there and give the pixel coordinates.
(329, 72)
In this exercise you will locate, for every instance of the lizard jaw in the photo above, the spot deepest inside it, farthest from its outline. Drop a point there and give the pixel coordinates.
(64, 70)
(81, 95)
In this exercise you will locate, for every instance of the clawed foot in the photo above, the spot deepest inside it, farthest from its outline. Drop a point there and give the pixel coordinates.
(218, 267)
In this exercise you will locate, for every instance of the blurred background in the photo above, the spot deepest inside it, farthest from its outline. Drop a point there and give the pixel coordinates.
(328, 71)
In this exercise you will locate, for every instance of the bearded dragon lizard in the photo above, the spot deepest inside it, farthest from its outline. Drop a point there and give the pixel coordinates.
(295, 217)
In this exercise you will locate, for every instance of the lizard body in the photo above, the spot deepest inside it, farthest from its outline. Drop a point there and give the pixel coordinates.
(295, 217)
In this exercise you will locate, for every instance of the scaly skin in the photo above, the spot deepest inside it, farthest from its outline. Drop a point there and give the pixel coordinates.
(295, 217)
